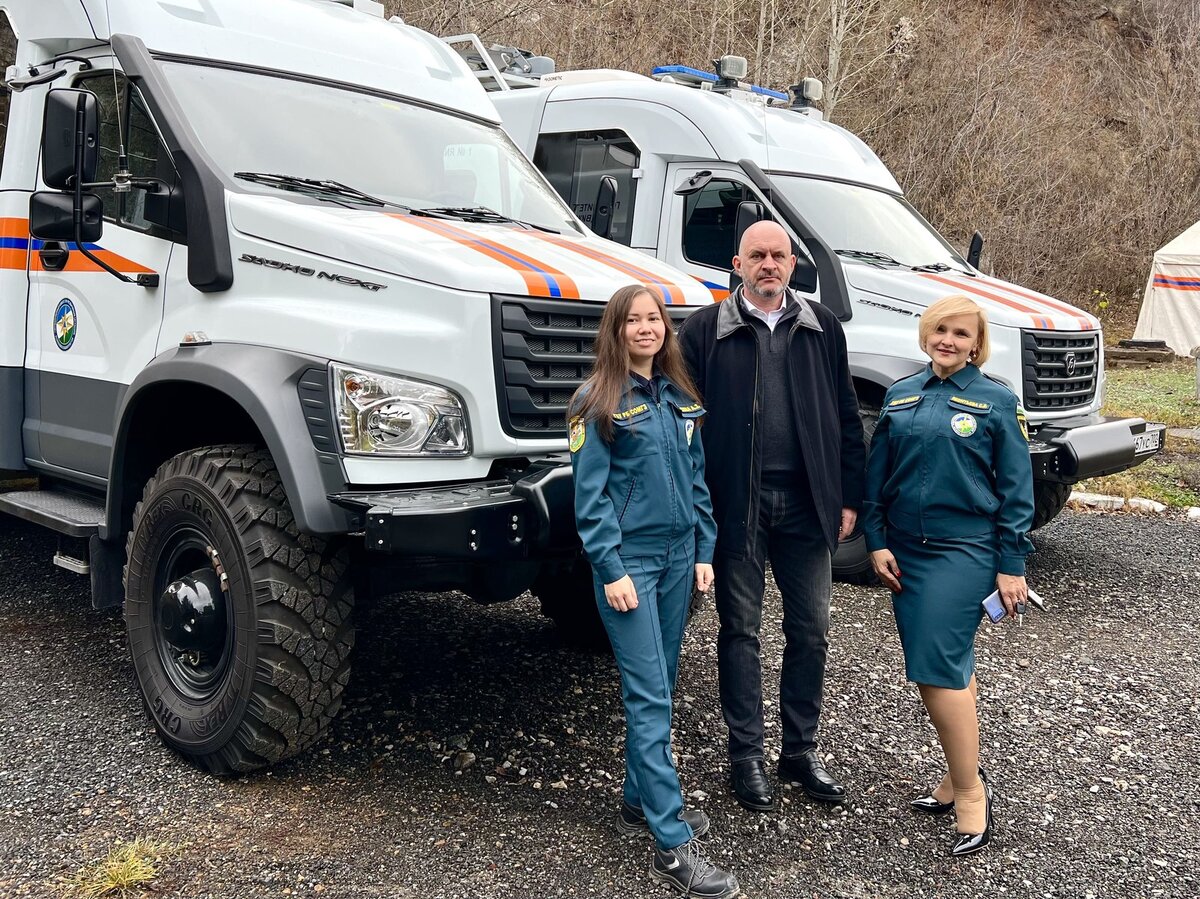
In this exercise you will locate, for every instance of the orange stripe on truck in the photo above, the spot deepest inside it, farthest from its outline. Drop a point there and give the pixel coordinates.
(1039, 318)
(671, 293)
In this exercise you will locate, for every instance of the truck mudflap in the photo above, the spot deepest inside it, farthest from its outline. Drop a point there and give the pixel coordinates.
(526, 516)
(1091, 446)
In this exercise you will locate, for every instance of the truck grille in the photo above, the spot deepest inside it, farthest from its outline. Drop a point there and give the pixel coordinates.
(544, 351)
(1060, 369)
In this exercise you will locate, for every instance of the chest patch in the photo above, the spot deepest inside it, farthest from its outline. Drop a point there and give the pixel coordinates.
(689, 428)
(963, 424)
(630, 413)
(578, 434)
(904, 401)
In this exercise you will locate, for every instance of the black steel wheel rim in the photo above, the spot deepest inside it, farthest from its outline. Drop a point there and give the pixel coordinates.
(195, 675)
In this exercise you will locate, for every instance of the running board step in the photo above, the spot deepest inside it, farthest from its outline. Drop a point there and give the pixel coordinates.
(69, 514)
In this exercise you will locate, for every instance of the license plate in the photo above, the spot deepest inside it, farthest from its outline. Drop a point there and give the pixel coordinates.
(1147, 442)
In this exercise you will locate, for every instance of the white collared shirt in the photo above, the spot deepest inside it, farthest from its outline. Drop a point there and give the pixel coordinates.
(771, 318)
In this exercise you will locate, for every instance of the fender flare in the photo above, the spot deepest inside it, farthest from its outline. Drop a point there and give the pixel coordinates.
(285, 394)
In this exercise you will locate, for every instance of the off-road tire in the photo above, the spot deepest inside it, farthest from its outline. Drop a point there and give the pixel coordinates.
(289, 602)
(1048, 500)
(852, 563)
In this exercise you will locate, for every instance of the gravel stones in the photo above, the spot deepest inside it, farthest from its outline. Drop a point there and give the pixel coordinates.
(1091, 731)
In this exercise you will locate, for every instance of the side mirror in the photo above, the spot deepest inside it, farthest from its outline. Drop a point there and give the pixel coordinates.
(975, 250)
(606, 201)
(52, 217)
(70, 138)
(748, 213)
(164, 207)
(804, 275)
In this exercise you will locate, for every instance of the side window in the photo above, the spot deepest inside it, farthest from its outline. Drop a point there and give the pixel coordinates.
(8, 57)
(575, 162)
(122, 112)
(710, 223)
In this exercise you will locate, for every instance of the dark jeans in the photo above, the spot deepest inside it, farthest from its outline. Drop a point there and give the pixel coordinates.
(787, 533)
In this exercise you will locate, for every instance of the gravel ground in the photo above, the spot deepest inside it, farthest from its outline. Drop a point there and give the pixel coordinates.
(1090, 716)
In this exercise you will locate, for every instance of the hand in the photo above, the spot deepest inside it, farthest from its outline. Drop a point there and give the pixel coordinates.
(849, 520)
(704, 577)
(887, 568)
(621, 595)
(1013, 592)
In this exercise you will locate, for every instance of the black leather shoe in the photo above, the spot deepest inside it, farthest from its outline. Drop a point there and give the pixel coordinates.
(751, 787)
(686, 868)
(633, 820)
(809, 771)
(927, 805)
(970, 843)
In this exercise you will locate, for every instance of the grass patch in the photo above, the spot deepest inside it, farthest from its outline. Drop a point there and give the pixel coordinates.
(126, 871)
(1165, 393)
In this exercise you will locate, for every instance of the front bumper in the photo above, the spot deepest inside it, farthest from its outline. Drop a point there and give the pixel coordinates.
(528, 516)
(1090, 446)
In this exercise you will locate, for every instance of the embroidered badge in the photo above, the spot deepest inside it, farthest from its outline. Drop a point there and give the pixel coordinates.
(695, 407)
(971, 404)
(1022, 422)
(689, 428)
(629, 413)
(963, 424)
(904, 401)
(65, 325)
(578, 434)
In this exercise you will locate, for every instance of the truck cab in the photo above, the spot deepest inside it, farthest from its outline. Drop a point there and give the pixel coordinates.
(678, 164)
(285, 316)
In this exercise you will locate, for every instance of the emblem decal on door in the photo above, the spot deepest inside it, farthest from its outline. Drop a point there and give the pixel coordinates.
(65, 324)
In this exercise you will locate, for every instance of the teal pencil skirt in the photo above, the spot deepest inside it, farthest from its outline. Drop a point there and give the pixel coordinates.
(938, 611)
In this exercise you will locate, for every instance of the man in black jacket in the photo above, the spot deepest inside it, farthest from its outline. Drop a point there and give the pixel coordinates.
(785, 461)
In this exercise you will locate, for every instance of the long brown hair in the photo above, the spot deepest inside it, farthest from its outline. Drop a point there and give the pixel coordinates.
(598, 397)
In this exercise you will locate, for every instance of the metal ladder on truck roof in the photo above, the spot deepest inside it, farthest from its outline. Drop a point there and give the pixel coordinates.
(500, 68)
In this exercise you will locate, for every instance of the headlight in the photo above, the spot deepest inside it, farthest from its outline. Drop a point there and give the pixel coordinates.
(386, 415)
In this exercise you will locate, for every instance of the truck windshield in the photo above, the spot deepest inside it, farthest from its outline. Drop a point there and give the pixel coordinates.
(398, 152)
(868, 225)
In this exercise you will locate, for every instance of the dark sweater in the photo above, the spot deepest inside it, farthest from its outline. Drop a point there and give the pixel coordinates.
(782, 455)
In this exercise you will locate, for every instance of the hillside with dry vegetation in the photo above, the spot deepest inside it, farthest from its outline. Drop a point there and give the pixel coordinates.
(1067, 131)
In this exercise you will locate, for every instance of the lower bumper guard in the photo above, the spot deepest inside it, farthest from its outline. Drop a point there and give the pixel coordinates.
(1074, 449)
(494, 520)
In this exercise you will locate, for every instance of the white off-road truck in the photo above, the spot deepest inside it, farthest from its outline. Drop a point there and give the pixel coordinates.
(677, 165)
(283, 313)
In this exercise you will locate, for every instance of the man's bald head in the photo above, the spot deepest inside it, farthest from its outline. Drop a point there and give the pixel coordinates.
(765, 263)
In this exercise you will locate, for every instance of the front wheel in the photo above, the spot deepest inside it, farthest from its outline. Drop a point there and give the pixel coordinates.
(1048, 500)
(239, 625)
(568, 598)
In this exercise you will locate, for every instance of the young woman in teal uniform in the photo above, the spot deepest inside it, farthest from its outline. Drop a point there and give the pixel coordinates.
(947, 515)
(645, 518)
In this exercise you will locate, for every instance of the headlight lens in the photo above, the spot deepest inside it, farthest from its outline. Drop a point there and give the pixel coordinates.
(386, 415)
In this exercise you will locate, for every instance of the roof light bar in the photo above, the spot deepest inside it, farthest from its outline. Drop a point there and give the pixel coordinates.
(699, 78)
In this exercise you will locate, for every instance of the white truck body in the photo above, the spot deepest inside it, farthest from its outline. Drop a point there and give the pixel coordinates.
(331, 271)
(684, 159)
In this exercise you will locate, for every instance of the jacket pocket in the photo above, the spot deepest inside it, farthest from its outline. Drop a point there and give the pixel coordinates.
(686, 419)
(901, 413)
(628, 500)
(634, 433)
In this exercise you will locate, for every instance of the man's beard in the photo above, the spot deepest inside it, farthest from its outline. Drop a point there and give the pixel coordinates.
(768, 293)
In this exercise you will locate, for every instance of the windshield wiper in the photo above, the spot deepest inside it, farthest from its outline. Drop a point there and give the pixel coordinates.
(869, 256)
(317, 188)
(479, 214)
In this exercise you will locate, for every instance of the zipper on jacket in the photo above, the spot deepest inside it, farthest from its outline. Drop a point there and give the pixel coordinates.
(669, 459)
(628, 499)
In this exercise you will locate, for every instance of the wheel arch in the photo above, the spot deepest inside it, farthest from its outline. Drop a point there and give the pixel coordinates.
(227, 393)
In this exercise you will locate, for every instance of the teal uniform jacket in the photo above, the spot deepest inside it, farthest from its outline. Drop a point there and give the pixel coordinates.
(645, 491)
(951, 459)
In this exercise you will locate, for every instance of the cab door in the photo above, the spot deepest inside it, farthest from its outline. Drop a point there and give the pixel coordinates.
(90, 333)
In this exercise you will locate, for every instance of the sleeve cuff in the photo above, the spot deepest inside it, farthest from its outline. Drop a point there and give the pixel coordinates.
(876, 540)
(609, 568)
(704, 553)
(1014, 565)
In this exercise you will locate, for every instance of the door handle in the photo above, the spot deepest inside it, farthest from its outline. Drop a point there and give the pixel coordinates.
(54, 255)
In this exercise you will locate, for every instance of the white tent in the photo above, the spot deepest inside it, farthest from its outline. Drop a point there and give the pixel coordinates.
(1171, 306)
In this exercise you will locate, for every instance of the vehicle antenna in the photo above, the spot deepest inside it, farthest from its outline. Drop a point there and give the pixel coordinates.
(121, 177)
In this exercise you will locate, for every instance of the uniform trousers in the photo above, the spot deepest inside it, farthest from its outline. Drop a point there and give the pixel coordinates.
(646, 643)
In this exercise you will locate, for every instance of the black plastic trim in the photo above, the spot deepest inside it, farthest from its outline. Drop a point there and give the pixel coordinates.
(210, 260)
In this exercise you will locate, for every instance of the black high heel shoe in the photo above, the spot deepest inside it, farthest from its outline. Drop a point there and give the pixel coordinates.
(928, 805)
(970, 843)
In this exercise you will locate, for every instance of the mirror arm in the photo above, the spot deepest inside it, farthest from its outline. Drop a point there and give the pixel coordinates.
(145, 280)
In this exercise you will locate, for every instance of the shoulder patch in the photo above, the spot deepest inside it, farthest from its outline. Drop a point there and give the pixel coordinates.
(905, 401)
(629, 413)
(578, 434)
(1023, 422)
(971, 404)
(694, 407)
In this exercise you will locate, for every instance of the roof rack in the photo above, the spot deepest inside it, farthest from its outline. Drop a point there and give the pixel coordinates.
(500, 68)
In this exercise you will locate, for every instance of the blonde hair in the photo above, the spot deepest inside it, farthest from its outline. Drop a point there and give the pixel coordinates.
(947, 307)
